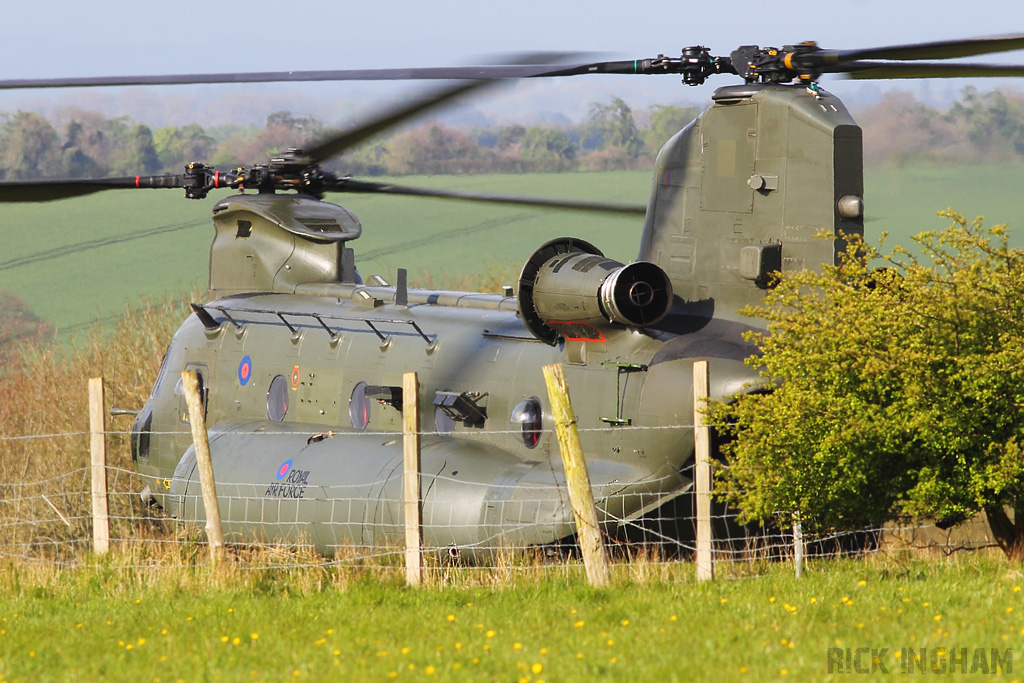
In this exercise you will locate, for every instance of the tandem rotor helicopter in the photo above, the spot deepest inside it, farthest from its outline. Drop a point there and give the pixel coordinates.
(301, 360)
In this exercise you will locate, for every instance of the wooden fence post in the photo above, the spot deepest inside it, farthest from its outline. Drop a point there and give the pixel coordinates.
(197, 420)
(98, 450)
(702, 474)
(581, 497)
(799, 547)
(411, 451)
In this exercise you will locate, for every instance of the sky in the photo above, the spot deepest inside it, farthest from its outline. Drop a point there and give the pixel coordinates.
(75, 38)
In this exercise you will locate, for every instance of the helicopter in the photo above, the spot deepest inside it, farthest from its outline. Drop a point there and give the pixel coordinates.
(300, 359)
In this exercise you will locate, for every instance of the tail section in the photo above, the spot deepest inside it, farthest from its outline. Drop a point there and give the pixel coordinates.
(743, 190)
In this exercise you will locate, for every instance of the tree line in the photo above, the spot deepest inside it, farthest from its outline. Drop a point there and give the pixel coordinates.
(85, 144)
(977, 128)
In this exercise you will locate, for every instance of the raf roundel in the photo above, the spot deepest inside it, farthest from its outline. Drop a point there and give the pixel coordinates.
(244, 370)
(282, 471)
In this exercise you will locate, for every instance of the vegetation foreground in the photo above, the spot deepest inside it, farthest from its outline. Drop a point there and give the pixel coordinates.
(881, 616)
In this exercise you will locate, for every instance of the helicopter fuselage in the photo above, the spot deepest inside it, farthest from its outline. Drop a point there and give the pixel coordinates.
(301, 363)
(305, 422)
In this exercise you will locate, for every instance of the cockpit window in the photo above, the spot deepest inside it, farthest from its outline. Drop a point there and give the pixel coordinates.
(179, 391)
(140, 434)
(160, 374)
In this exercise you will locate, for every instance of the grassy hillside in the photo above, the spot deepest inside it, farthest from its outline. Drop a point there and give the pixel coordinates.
(74, 261)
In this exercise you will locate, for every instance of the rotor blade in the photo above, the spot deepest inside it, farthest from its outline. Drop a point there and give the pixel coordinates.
(945, 49)
(347, 185)
(387, 119)
(867, 70)
(342, 141)
(487, 72)
(64, 188)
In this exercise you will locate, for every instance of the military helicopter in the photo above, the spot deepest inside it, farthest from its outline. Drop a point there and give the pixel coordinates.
(301, 360)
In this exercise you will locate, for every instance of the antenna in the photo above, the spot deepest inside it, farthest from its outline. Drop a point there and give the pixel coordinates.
(402, 288)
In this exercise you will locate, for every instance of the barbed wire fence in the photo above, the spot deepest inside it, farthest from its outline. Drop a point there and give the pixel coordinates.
(527, 521)
(49, 521)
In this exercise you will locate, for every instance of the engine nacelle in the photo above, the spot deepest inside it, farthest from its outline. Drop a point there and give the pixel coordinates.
(570, 281)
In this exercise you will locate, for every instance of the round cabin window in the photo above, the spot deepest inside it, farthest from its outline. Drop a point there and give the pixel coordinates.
(277, 398)
(359, 407)
(529, 417)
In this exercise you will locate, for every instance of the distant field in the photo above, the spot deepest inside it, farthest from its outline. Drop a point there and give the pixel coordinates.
(78, 260)
(904, 201)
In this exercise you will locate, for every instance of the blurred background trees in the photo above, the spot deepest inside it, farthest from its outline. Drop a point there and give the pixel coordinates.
(978, 128)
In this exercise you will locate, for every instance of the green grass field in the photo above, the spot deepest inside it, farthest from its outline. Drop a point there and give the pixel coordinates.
(904, 201)
(321, 624)
(77, 260)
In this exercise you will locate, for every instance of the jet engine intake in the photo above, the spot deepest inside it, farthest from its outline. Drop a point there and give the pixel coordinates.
(577, 284)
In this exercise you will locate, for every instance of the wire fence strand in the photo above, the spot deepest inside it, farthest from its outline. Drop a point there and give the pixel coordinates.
(465, 523)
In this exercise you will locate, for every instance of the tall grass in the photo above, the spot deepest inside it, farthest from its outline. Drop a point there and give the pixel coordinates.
(44, 422)
(46, 390)
(491, 280)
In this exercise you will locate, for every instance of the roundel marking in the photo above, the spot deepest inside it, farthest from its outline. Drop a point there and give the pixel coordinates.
(296, 376)
(244, 370)
(282, 471)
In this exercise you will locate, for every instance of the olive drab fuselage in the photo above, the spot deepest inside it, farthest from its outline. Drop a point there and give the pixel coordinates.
(301, 362)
